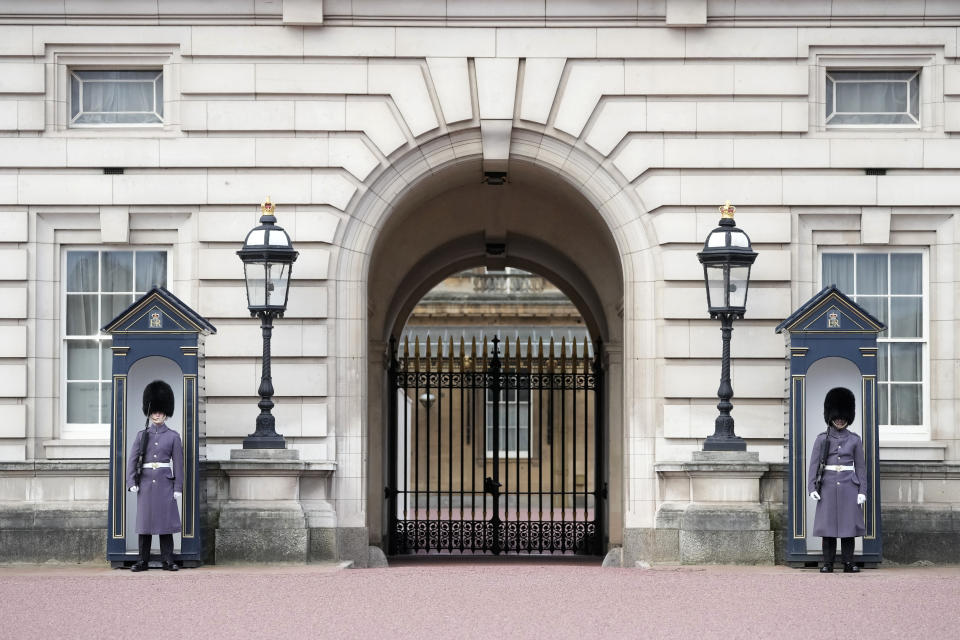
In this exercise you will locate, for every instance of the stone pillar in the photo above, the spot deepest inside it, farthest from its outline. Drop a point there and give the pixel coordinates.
(711, 511)
(263, 519)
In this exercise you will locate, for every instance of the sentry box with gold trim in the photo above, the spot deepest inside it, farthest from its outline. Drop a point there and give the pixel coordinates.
(158, 337)
(833, 343)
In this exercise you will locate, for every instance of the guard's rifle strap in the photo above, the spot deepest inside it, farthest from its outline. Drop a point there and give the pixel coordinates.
(142, 454)
(824, 449)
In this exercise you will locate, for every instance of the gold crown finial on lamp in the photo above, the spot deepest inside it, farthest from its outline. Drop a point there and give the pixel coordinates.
(267, 208)
(727, 210)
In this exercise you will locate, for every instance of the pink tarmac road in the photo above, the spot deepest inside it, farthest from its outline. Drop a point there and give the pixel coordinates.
(478, 599)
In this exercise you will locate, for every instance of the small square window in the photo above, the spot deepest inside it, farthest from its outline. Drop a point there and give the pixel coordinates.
(131, 96)
(856, 97)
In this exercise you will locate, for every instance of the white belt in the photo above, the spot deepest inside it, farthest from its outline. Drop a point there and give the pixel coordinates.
(167, 465)
(840, 467)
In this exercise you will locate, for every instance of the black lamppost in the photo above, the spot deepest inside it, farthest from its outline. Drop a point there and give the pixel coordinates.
(726, 259)
(268, 258)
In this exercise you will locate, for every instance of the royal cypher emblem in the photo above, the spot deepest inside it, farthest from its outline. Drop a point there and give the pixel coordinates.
(833, 320)
(156, 320)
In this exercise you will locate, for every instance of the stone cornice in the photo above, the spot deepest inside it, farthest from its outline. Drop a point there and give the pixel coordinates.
(476, 13)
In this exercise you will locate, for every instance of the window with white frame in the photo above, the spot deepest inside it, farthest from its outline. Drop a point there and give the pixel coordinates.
(891, 286)
(514, 419)
(870, 97)
(116, 96)
(98, 285)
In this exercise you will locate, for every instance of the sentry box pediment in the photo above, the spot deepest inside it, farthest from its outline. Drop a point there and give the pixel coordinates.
(158, 337)
(833, 342)
(159, 312)
(833, 313)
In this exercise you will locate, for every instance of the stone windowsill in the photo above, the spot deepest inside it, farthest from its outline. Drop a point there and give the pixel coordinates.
(77, 449)
(913, 451)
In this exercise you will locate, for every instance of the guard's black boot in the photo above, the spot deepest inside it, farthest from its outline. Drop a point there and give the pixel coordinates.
(826, 568)
(849, 567)
(166, 552)
(140, 566)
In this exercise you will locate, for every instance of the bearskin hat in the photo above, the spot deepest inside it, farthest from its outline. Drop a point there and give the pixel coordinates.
(158, 396)
(839, 403)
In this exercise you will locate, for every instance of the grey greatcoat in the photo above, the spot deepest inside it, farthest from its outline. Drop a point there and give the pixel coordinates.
(157, 511)
(838, 514)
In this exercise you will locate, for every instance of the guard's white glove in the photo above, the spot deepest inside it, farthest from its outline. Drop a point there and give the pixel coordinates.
(134, 489)
(815, 495)
(861, 498)
(177, 495)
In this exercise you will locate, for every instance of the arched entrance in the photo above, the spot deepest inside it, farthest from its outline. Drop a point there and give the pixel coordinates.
(429, 215)
(495, 446)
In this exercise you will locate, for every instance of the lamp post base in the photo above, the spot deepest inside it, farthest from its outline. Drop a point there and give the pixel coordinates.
(721, 443)
(254, 441)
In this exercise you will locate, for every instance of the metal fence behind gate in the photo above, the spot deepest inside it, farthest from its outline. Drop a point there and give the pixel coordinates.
(495, 452)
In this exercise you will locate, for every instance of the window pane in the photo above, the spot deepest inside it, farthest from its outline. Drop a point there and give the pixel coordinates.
(906, 317)
(83, 402)
(82, 315)
(99, 97)
(905, 273)
(116, 97)
(105, 397)
(117, 271)
(82, 360)
(158, 95)
(871, 97)
(905, 363)
(838, 270)
(151, 270)
(74, 96)
(915, 97)
(112, 305)
(106, 360)
(872, 118)
(81, 271)
(884, 413)
(117, 118)
(860, 75)
(829, 96)
(871, 274)
(877, 307)
(117, 75)
(882, 350)
(905, 404)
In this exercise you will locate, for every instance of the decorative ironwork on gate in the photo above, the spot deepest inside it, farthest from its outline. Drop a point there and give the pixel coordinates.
(495, 452)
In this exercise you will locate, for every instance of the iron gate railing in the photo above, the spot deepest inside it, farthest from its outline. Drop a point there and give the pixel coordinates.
(495, 453)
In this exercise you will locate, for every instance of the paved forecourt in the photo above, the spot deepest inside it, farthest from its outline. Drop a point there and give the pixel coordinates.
(479, 600)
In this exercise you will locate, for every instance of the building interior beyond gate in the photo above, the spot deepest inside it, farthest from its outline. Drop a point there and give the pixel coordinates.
(497, 386)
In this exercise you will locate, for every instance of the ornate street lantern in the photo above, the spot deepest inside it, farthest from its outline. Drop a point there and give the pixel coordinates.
(268, 258)
(726, 258)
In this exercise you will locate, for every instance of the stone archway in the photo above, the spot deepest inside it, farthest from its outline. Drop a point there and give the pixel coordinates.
(428, 215)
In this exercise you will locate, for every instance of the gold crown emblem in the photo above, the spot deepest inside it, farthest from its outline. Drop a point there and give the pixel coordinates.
(727, 210)
(267, 208)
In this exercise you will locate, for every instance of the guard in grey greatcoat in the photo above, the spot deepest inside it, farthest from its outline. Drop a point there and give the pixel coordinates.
(844, 483)
(161, 479)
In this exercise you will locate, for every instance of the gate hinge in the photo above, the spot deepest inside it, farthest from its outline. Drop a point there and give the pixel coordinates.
(603, 492)
(389, 493)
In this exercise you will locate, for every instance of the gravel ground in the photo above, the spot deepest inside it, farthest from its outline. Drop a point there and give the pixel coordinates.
(532, 599)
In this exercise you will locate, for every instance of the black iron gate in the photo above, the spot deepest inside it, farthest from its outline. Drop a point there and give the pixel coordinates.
(495, 451)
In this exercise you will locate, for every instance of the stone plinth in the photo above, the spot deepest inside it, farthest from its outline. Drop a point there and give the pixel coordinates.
(264, 518)
(711, 511)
